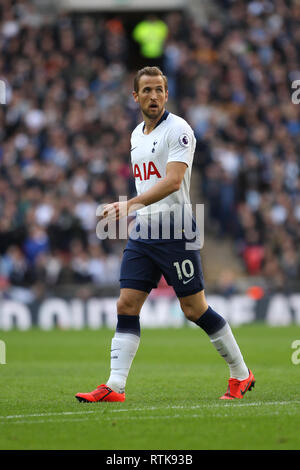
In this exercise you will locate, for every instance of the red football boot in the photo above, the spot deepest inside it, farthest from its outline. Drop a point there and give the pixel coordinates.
(101, 393)
(238, 388)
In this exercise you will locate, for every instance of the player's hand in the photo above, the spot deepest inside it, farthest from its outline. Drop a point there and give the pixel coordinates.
(115, 210)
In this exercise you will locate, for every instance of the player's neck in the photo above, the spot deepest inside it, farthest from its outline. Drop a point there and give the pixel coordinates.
(151, 123)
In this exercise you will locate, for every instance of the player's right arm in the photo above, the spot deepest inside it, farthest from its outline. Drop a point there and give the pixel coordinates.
(169, 184)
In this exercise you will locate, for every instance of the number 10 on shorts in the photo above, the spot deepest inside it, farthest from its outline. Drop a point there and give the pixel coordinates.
(186, 268)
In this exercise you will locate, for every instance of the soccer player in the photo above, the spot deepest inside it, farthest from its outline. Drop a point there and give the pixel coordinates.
(162, 151)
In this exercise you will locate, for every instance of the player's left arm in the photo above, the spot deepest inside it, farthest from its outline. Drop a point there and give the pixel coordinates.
(169, 184)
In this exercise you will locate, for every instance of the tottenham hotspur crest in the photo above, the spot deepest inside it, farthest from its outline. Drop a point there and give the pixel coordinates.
(153, 149)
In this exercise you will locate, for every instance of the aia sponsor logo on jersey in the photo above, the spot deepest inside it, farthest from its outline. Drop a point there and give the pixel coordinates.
(143, 172)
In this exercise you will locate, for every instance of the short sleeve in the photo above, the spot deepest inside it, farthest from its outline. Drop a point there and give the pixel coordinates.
(181, 142)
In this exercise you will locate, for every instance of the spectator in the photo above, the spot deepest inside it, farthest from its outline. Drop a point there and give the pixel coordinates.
(151, 34)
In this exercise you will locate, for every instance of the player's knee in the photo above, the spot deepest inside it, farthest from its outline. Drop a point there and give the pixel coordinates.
(124, 307)
(193, 311)
(190, 313)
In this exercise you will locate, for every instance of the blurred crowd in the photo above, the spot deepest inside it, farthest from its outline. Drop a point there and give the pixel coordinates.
(64, 135)
(234, 81)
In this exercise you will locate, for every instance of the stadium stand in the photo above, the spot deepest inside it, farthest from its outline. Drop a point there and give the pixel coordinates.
(64, 138)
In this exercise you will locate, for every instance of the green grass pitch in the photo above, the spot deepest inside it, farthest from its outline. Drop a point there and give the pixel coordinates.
(171, 396)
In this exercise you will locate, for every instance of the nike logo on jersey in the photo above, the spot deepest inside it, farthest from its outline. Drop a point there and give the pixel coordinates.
(132, 149)
(189, 280)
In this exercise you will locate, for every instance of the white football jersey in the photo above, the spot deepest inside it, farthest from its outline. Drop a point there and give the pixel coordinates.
(172, 140)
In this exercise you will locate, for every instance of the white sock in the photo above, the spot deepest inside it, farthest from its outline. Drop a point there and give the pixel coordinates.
(123, 349)
(225, 343)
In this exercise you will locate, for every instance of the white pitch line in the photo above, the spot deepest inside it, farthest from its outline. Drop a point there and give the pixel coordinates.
(106, 418)
(41, 415)
(135, 418)
(151, 408)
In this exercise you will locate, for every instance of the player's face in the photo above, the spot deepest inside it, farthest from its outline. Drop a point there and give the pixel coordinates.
(152, 96)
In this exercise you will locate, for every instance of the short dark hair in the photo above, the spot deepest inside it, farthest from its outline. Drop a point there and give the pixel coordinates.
(152, 72)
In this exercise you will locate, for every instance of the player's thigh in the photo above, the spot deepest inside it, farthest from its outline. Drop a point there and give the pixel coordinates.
(131, 301)
(193, 306)
(182, 268)
(138, 268)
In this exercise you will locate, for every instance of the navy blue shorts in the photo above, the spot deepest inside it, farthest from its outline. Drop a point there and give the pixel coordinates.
(143, 265)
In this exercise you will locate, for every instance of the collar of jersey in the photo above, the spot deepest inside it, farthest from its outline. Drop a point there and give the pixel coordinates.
(163, 118)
